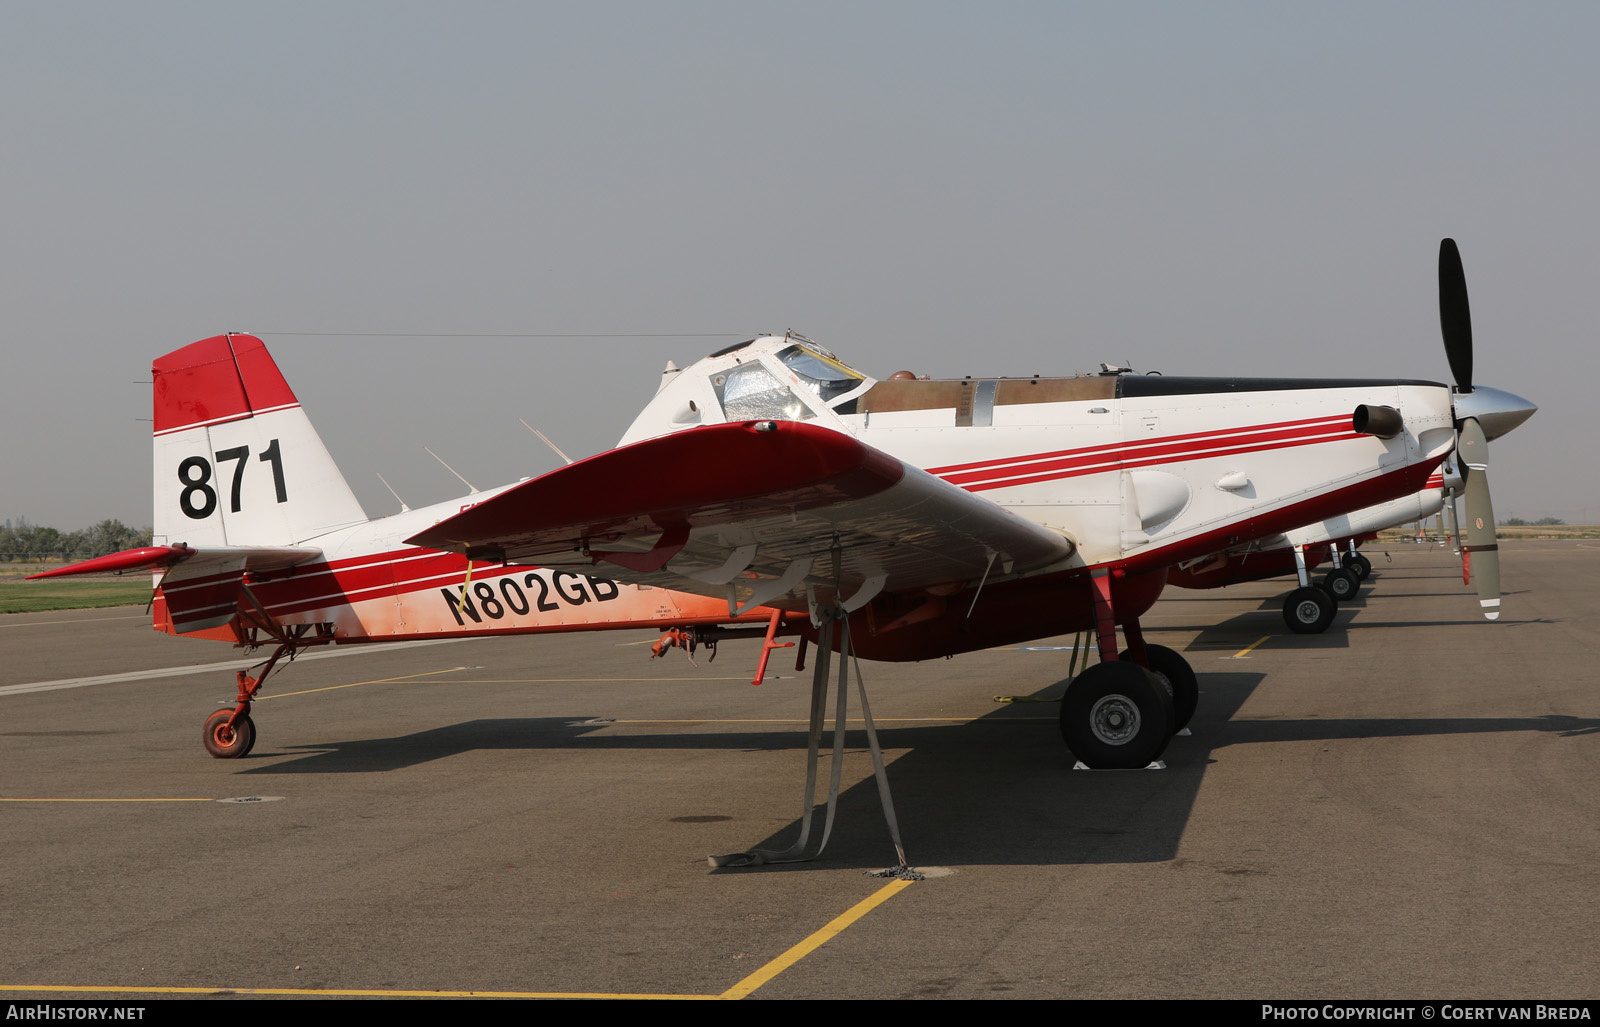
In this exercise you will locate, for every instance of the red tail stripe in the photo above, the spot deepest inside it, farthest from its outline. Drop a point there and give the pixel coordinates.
(223, 378)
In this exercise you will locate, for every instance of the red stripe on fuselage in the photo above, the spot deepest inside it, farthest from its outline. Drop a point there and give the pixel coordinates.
(1127, 444)
(1093, 460)
(343, 582)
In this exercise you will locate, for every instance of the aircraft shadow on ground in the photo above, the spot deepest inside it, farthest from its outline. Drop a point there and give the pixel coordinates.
(992, 791)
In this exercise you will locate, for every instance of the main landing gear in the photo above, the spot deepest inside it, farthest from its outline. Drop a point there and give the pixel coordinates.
(1120, 713)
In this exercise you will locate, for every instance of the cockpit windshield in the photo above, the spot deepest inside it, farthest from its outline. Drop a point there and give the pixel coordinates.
(822, 372)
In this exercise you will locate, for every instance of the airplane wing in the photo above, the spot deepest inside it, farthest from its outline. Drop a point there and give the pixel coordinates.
(757, 511)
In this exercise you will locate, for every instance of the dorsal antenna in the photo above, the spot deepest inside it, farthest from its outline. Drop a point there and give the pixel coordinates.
(452, 470)
(403, 507)
(546, 440)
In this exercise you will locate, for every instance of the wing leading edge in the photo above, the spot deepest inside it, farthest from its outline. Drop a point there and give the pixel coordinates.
(758, 511)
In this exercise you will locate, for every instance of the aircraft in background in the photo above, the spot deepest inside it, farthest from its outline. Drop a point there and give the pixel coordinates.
(1311, 607)
(771, 483)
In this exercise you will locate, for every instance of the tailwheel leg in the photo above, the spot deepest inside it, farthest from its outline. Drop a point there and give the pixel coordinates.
(231, 734)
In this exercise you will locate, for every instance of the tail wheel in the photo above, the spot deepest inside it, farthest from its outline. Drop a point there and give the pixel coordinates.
(1117, 716)
(229, 743)
(1179, 678)
(1309, 610)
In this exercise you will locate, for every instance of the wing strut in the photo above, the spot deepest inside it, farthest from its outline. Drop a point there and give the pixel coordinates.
(833, 617)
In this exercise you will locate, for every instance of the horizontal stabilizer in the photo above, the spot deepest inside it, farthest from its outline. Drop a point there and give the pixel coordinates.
(204, 591)
(207, 560)
(146, 558)
(202, 587)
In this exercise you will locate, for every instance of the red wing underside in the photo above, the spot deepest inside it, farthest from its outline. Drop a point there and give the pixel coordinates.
(754, 511)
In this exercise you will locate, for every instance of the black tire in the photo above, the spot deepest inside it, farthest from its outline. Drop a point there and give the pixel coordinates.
(1342, 584)
(1309, 610)
(1361, 565)
(227, 743)
(1117, 716)
(1172, 668)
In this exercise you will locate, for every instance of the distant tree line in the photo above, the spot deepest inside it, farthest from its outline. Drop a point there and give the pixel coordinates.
(1518, 522)
(31, 542)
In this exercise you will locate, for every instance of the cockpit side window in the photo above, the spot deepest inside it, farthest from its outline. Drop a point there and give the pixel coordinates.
(823, 374)
(750, 392)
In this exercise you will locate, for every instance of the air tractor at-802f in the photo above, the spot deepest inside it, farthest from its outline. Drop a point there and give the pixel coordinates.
(770, 489)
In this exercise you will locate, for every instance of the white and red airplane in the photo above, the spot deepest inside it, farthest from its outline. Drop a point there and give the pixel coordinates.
(774, 484)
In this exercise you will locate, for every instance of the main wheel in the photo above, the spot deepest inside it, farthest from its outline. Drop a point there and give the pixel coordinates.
(229, 743)
(1117, 716)
(1309, 610)
(1361, 565)
(1342, 584)
(1172, 668)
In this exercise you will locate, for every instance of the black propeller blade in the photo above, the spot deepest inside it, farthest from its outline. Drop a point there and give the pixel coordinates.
(1472, 450)
(1455, 319)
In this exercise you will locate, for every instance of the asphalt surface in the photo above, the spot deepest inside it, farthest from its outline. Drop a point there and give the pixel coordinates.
(1404, 807)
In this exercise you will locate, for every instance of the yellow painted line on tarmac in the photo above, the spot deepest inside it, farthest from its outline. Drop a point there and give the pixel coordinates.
(816, 941)
(108, 800)
(355, 684)
(337, 992)
(1242, 653)
(985, 718)
(580, 681)
(741, 990)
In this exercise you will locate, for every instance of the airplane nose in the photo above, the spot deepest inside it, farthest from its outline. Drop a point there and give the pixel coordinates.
(1496, 410)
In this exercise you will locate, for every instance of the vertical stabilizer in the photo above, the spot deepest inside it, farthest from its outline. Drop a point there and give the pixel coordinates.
(237, 462)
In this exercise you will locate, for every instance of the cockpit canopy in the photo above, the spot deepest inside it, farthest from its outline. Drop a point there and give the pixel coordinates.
(749, 391)
(821, 371)
(775, 377)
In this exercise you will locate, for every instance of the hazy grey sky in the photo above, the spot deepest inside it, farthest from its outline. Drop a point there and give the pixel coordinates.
(996, 188)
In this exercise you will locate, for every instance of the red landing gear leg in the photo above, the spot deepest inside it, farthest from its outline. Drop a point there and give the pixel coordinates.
(230, 734)
(1105, 621)
(1137, 651)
